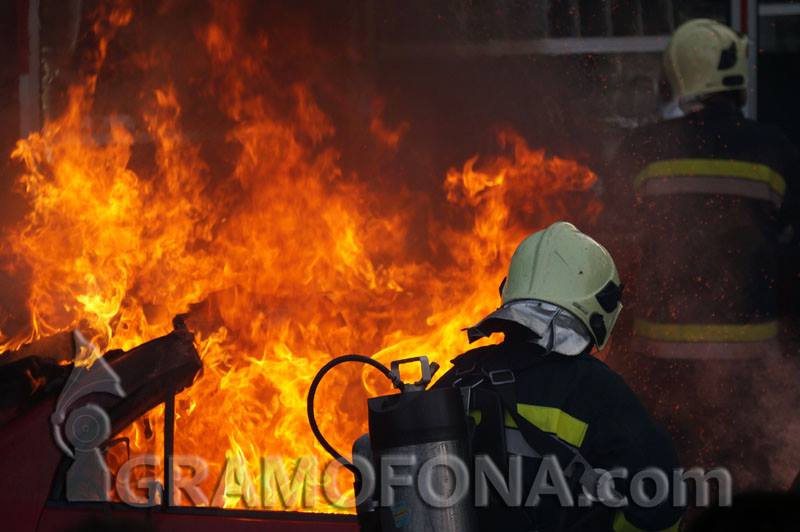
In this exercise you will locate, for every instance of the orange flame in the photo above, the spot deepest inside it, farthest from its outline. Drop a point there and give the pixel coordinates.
(283, 263)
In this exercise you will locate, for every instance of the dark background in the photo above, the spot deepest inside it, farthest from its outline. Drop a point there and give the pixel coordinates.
(455, 72)
(416, 57)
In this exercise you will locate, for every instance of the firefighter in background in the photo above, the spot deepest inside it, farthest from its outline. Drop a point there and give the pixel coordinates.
(712, 199)
(542, 392)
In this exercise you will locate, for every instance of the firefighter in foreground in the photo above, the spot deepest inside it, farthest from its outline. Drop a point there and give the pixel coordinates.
(713, 200)
(542, 392)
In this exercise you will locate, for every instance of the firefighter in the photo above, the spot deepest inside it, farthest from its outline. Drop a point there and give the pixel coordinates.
(542, 393)
(712, 197)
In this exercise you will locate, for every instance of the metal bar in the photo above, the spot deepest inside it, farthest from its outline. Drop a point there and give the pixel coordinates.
(608, 20)
(554, 46)
(461, 12)
(574, 13)
(638, 18)
(30, 101)
(779, 10)
(736, 15)
(281, 517)
(669, 13)
(751, 109)
(541, 20)
(169, 448)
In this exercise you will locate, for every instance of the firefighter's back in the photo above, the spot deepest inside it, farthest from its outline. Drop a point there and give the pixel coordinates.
(710, 191)
(585, 404)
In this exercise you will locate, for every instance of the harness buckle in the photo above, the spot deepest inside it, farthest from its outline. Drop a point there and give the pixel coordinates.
(502, 376)
(465, 371)
(472, 381)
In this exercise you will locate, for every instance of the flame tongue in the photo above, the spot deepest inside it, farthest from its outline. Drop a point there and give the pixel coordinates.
(284, 261)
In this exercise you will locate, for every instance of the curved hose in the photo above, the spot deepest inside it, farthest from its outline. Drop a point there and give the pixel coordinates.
(312, 391)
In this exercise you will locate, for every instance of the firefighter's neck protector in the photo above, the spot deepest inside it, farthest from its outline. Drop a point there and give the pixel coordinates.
(569, 270)
(555, 329)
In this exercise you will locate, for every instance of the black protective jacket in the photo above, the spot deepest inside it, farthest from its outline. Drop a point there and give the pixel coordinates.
(709, 196)
(586, 405)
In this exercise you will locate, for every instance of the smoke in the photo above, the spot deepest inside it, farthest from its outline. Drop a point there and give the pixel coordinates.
(776, 422)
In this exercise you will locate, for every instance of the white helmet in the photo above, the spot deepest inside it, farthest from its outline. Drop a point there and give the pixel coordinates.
(564, 269)
(705, 57)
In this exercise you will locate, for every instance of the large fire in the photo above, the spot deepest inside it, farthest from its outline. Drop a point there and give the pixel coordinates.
(283, 262)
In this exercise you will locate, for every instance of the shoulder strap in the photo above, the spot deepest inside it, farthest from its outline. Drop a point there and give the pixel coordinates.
(503, 384)
(575, 466)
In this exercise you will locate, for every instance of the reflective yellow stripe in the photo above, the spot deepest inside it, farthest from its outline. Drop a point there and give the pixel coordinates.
(553, 420)
(623, 525)
(476, 415)
(713, 167)
(674, 332)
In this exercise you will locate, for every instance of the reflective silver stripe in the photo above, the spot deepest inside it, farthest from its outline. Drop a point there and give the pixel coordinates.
(589, 479)
(516, 444)
(708, 350)
(711, 185)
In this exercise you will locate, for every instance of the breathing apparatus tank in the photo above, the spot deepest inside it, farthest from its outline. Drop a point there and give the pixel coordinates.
(417, 452)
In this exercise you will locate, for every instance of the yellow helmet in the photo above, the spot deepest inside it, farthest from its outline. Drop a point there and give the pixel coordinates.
(705, 57)
(564, 267)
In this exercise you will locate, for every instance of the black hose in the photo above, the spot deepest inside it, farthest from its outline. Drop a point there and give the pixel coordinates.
(312, 391)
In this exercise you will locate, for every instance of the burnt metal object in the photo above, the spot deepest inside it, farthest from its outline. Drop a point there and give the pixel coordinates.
(26, 381)
(34, 467)
(150, 374)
